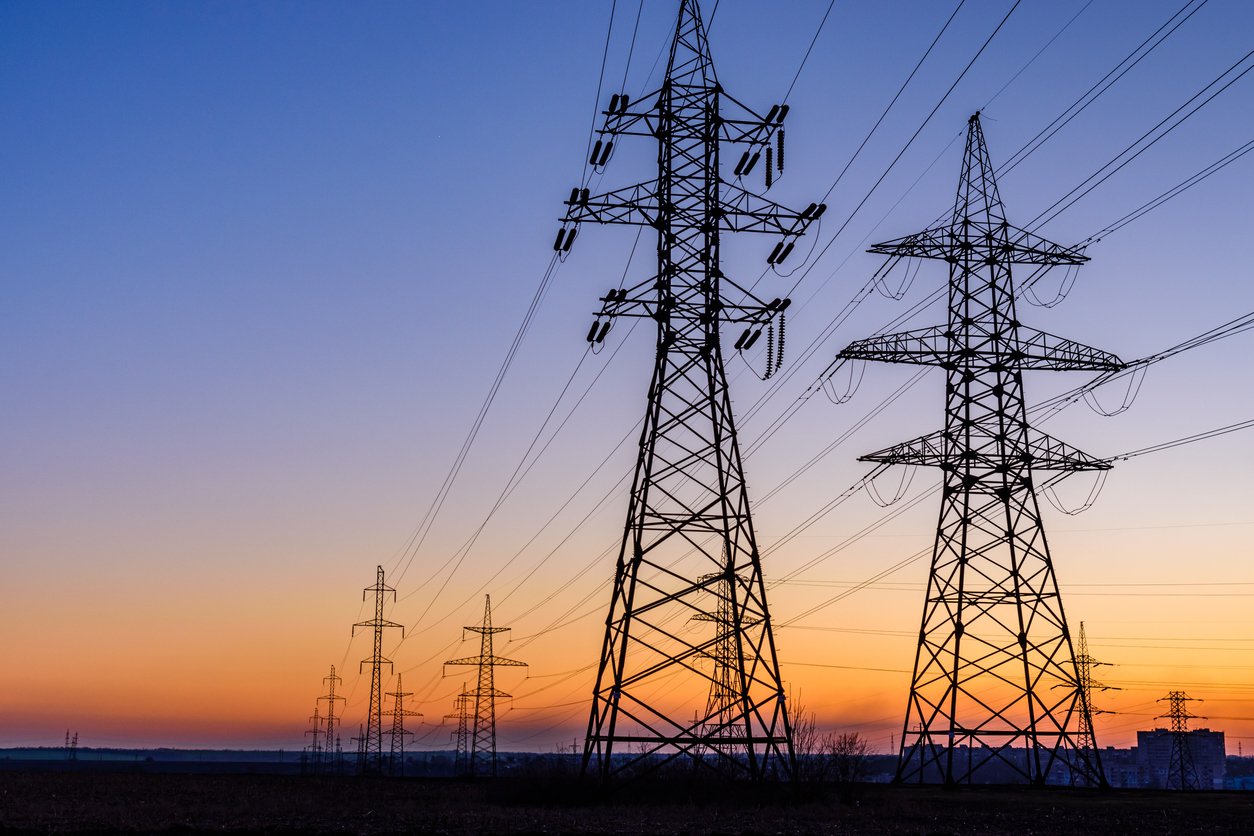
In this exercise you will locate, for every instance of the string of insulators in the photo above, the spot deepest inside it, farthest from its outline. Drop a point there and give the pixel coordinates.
(779, 348)
(565, 237)
(747, 161)
(781, 252)
(770, 350)
(600, 153)
(748, 338)
(596, 334)
(779, 150)
(770, 169)
(618, 103)
(813, 212)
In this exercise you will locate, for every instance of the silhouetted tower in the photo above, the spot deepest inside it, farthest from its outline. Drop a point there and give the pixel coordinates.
(1181, 773)
(481, 739)
(332, 724)
(461, 713)
(372, 759)
(1086, 741)
(360, 740)
(315, 744)
(994, 639)
(74, 747)
(721, 706)
(688, 516)
(396, 764)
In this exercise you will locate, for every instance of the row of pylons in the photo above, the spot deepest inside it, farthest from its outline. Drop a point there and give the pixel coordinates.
(474, 708)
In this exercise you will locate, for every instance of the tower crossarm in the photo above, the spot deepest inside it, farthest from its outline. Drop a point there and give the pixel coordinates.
(1044, 453)
(971, 241)
(496, 661)
(739, 210)
(1011, 348)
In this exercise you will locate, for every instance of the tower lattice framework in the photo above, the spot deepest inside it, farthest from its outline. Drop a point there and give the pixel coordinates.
(689, 548)
(396, 763)
(993, 642)
(371, 752)
(480, 757)
(331, 735)
(1086, 739)
(1181, 771)
(460, 713)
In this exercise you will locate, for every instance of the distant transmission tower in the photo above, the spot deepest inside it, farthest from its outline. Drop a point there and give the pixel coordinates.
(1086, 741)
(372, 757)
(689, 546)
(332, 725)
(994, 639)
(481, 739)
(315, 744)
(396, 764)
(461, 713)
(1181, 772)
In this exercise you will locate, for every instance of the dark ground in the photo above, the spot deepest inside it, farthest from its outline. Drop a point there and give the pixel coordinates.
(86, 802)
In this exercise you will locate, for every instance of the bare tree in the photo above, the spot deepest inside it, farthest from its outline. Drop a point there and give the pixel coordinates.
(847, 756)
(808, 745)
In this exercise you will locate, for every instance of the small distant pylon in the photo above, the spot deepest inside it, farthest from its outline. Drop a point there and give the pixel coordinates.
(1086, 741)
(332, 726)
(482, 739)
(1181, 772)
(722, 709)
(360, 740)
(396, 764)
(372, 759)
(315, 746)
(460, 713)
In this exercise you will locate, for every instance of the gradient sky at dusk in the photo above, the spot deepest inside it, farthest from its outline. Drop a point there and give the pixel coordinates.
(261, 262)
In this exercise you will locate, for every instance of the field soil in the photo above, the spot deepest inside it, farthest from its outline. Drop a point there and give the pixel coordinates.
(95, 802)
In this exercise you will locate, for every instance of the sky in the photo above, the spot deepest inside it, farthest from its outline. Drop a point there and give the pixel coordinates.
(263, 261)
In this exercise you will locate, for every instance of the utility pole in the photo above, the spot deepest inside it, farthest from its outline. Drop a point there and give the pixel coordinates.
(315, 745)
(482, 738)
(688, 517)
(328, 747)
(396, 764)
(1181, 772)
(372, 759)
(461, 712)
(993, 640)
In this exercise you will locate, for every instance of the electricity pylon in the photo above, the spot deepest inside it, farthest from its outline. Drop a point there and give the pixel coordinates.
(1181, 772)
(372, 751)
(993, 640)
(1086, 740)
(482, 738)
(332, 724)
(461, 713)
(315, 745)
(688, 517)
(396, 764)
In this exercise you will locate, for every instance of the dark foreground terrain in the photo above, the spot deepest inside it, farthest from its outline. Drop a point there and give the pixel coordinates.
(84, 802)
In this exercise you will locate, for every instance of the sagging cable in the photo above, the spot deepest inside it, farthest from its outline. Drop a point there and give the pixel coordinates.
(903, 485)
(1135, 379)
(1052, 495)
(857, 368)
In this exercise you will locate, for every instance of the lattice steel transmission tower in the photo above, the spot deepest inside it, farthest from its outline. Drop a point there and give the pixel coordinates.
(460, 713)
(993, 640)
(315, 744)
(1086, 740)
(396, 764)
(689, 546)
(481, 739)
(1181, 772)
(332, 722)
(372, 752)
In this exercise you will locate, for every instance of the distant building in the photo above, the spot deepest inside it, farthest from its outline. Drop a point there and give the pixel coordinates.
(1153, 755)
